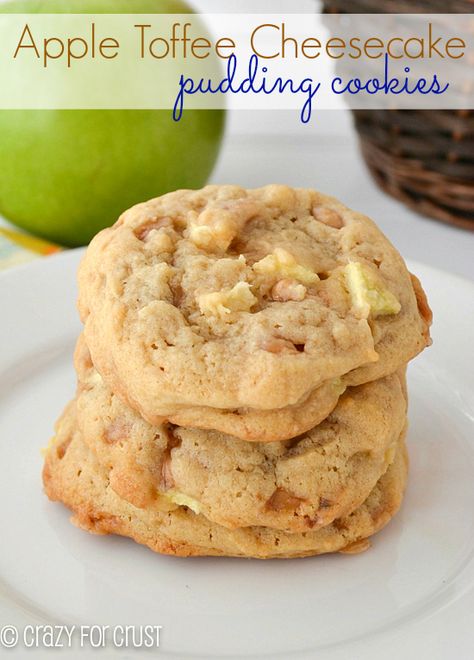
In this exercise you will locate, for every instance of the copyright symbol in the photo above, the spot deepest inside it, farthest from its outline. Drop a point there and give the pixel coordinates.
(8, 637)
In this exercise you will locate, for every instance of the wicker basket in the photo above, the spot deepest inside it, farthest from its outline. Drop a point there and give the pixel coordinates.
(425, 158)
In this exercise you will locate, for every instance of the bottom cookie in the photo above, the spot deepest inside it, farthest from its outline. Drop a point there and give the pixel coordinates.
(73, 475)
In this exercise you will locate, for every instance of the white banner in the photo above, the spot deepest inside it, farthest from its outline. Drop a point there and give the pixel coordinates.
(252, 61)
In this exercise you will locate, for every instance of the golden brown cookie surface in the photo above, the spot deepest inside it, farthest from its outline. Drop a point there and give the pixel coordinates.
(247, 423)
(296, 485)
(228, 298)
(73, 475)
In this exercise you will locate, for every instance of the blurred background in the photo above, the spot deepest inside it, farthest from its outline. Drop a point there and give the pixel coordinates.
(261, 147)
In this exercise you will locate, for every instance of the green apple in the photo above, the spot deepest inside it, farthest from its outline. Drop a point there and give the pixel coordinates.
(66, 174)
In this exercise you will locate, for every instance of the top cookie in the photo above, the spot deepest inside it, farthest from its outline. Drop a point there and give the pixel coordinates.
(231, 298)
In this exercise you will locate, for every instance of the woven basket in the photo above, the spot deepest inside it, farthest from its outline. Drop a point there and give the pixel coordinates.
(425, 158)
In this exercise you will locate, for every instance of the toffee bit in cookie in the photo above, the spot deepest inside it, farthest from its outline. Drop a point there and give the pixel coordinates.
(324, 503)
(167, 479)
(183, 500)
(62, 448)
(278, 345)
(222, 303)
(287, 289)
(282, 500)
(282, 264)
(178, 294)
(117, 431)
(328, 217)
(368, 293)
(422, 301)
(174, 440)
(143, 231)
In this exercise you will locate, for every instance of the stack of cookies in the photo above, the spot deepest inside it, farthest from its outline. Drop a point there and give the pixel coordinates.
(241, 376)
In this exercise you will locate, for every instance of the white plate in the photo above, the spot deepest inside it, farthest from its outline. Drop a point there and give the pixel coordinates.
(411, 595)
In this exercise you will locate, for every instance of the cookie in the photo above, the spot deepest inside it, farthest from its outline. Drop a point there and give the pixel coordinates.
(296, 485)
(248, 424)
(233, 299)
(73, 475)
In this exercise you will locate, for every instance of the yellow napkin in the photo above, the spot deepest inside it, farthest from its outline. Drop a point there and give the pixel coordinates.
(17, 248)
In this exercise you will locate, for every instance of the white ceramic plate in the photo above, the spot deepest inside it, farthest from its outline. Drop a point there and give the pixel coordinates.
(410, 596)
